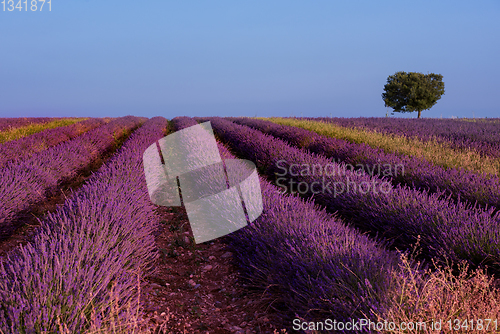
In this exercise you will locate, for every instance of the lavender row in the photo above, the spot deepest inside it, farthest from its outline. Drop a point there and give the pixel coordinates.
(26, 182)
(12, 123)
(481, 135)
(401, 169)
(308, 262)
(102, 237)
(24, 147)
(446, 230)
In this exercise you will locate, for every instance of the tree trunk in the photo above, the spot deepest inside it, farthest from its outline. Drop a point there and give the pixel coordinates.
(419, 113)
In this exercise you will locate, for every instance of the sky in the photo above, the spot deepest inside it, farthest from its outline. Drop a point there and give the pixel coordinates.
(244, 58)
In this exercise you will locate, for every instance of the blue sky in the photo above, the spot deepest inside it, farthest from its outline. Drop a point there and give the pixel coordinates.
(231, 58)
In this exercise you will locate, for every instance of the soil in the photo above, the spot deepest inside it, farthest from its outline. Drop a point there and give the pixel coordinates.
(196, 288)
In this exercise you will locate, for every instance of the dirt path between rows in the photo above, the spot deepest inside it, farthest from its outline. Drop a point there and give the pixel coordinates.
(196, 288)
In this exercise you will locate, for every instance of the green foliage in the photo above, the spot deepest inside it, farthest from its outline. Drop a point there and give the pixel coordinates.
(412, 91)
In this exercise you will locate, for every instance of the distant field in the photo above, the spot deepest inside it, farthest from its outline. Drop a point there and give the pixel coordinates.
(383, 219)
(14, 130)
(16, 122)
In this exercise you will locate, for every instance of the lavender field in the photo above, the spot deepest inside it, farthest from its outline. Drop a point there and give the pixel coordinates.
(389, 224)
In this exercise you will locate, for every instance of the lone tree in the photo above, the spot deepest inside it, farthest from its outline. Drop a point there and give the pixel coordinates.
(412, 91)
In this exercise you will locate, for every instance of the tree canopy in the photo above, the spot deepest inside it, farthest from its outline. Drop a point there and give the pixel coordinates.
(412, 91)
